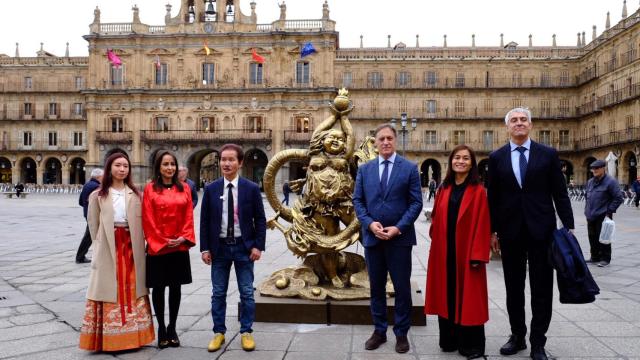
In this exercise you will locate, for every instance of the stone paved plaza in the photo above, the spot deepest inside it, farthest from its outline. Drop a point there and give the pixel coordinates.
(42, 294)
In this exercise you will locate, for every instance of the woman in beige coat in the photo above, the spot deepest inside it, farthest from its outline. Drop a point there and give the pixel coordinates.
(117, 315)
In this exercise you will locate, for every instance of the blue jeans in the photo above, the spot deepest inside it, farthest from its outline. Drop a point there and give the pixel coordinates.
(237, 255)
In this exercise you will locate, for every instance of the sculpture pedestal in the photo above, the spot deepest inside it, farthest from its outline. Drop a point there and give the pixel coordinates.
(354, 312)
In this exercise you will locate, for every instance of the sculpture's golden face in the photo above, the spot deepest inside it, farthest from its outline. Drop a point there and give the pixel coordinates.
(334, 142)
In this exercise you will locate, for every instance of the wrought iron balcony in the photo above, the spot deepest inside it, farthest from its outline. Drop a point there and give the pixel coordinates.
(251, 136)
(293, 136)
(122, 137)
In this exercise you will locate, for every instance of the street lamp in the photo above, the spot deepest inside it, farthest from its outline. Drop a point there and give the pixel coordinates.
(404, 130)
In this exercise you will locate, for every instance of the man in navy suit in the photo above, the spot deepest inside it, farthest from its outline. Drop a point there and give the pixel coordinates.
(232, 231)
(525, 182)
(83, 200)
(388, 200)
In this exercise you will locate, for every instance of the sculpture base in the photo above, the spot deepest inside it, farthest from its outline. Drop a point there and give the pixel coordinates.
(353, 312)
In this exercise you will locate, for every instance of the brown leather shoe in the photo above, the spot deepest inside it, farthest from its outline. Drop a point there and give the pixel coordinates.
(375, 341)
(402, 344)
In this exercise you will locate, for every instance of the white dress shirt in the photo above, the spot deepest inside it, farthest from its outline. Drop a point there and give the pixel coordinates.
(392, 160)
(515, 158)
(223, 223)
(119, 205)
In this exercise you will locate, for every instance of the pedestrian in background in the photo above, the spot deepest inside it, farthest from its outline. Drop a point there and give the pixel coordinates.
(635, 186)
(167, 218)
(602, 199)
(432, 189)
(286, 190)
(182, 176)
(83, 200)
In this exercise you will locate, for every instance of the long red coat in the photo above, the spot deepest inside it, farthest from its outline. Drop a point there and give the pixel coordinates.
(473, 239)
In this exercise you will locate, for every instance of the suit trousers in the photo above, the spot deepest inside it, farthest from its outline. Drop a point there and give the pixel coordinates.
(85, 244)
(515, 255)
(599, 252)
(382, 259)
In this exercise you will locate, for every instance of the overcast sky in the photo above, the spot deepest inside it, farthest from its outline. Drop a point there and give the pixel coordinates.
(30, 22)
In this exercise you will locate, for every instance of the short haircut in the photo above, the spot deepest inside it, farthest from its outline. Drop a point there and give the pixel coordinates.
(385, 126)
(523, 110)
(236, 148)
(183, 168)
(97, 172)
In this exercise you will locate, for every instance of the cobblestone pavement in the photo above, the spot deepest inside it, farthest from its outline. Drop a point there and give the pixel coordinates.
(42, 294)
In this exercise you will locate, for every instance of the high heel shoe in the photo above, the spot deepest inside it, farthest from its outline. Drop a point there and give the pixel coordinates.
(174, 341)
(163, 341)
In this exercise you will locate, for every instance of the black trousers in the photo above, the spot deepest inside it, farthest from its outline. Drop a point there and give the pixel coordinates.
(636, 201)
(85, 244)
(516, 253)
(468, 340)
(599, 252)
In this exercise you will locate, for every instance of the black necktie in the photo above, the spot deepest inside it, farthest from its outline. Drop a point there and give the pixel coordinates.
(385, 176)
(230, 214)
(523, 164)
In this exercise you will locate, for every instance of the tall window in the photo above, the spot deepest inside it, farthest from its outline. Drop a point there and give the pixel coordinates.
(77, 109)
(374, 79)
(458, 137)
(544, 137)
(564, 138)
(117, 124)
(564, 106)
(162, 123)
(77, 138)
(53, 138)
(403, 79)
(27, 138)
(208, 73)
(302, 72)
(162, 74)
(487, 139)
(79, 82)
(459, 79)
(564, 78)
(545, 79)
(207, 124)
(545, 108)
(117, 75)
(516, 79)
(302, 124)
(459, 106)
(488, 106)
(347, 79)
(516, 103)
(431, 107)
(28, 83)
(28, 108)
(255, 73)
(255, 124)
(53, 109)
(629, 123)
(431, 78)
(430, 137)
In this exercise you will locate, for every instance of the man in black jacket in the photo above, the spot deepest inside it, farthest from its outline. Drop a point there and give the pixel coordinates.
(83, 200)
(525, 182)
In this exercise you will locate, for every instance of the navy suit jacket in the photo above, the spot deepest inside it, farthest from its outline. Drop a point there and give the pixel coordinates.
(87, 189)
(253, 224)
(532, 205)
(399, 206)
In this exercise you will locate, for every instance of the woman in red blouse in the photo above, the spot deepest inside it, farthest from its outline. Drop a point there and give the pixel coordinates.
(167, 220)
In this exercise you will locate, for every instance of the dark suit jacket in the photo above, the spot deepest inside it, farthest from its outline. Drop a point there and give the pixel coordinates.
(532, 205)
(399, 206)
(87, 189)
(194, 192)
(251, 216)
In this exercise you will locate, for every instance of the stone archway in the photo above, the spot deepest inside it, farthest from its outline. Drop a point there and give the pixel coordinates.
(204, 166)
(587, 162)
(5, 171)
(630, 167)
(28, 174)
(52, 171)
(430, 169)
(567, 170)
(254, 164)
(77, 174)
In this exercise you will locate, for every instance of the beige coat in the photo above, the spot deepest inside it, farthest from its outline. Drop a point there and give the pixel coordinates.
(103, 285)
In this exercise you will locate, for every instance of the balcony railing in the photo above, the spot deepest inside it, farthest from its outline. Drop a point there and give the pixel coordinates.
(41, 145)
(122, 137)
(40, 115)
(610, 138)
(41, 86)
(356, 83)
(471, 113)
(293, 136)
(199, 136)
(627, 93)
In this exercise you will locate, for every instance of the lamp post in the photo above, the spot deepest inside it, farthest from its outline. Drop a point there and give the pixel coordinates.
(403, 130)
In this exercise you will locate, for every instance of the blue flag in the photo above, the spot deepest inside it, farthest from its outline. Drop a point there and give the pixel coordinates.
(307, 50)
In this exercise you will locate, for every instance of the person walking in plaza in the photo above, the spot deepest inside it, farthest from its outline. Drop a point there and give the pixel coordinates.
(525, 183)
(83, 200)
(286, 190)
(232, 232)
(182, 176)
(602, 199)
(167, 219)
(460, 244)
(388, 200)
(19, 188)
(432, 189)
(117, 313)
(635, 187)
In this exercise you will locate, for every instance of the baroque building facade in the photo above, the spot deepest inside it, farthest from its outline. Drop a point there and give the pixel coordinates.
(194, 84)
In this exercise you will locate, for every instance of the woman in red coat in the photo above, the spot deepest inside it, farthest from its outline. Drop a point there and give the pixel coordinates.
(460, 240)
(167, 220)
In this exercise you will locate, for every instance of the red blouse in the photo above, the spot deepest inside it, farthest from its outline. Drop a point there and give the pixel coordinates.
(167, 215)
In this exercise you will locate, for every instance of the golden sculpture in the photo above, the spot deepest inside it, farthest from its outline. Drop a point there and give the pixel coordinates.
(317, 215)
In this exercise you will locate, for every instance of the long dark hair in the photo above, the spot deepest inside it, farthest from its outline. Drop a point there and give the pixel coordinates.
(474, 175)
(157, 176)
(107, 179)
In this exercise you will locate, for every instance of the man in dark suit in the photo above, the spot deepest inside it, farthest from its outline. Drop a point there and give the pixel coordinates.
(182, 175)
(525, 182)
(232, 231)
(83, 200)
(388, 200)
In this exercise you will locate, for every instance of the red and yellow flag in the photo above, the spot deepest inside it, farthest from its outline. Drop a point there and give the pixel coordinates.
(256, 57)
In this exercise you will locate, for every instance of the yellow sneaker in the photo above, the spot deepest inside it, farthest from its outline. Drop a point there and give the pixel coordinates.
(216, 342)
(248, 344)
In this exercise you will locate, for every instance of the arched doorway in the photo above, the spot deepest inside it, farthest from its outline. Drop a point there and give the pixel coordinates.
(430, 169)
(5, 171)
(52, 172)
(255, 161)
(28, 171)
(204, 166)
(630, 164)
(483, 170)
(586, 164)
(567, 170)
(77, 171)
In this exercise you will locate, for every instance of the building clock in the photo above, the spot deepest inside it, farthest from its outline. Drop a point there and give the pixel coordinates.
(208, 28)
